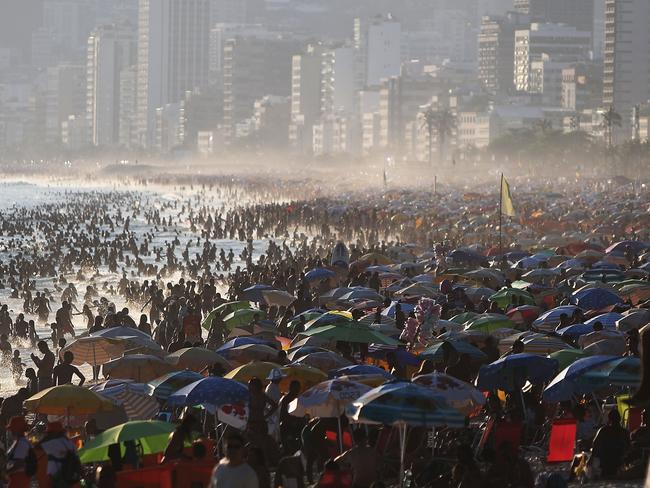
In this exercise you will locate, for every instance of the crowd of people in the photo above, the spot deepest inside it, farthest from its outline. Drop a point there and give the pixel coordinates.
(99, 260)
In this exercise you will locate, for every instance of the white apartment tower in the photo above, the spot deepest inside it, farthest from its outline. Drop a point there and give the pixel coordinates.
(173, 54)
(111, 49)
(559, 42)
(306, 71)
(378, 44)
(626, 80)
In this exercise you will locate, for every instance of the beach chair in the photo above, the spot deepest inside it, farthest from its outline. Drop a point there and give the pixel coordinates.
(508, 432)
(562, 440)
(630, 416)
(332, 439)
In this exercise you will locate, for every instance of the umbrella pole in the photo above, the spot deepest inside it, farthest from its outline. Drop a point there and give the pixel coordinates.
(340, 436)
(402, 454)
(94, 361)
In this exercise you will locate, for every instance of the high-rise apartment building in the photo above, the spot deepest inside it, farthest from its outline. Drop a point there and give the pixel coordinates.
(173, 53)
(65, 96)
(378, 44)
(252, 68)
(496, 51)
(306, 77)
(338, 88)
(560, 43)
(111, 49)
(576, 13)
(626, 79)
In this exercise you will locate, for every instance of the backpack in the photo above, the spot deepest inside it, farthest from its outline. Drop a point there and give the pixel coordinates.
(31, 463)
(71, 468)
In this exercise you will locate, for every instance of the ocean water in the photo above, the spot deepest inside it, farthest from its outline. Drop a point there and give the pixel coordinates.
(14, 195)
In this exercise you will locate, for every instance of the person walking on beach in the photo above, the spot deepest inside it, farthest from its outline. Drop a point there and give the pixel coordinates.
(64, 320)
(45, 365)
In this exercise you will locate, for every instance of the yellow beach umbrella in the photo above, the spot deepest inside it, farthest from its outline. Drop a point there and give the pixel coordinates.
(68, 400)
(257, 369)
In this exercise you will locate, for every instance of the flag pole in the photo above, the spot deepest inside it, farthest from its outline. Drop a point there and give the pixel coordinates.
(500, 216)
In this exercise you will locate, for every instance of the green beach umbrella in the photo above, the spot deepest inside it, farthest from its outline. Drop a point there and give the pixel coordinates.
(224, 309)
(566, 357)
(243, 316)
(351, 332)
(152, 435)
(489, 322)
(463, 317)
(504, 297)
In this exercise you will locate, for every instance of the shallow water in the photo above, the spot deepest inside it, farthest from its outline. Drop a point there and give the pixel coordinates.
(14, 195)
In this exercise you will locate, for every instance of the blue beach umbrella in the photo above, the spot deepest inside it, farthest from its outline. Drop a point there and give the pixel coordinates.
(595, 298)
(254, 293)
(511, 372)
(211, 391)
(319, 274)
(570, 381)
(575, 330)
(436, 352)
(163, 387)
(360, 369)
(241, 341)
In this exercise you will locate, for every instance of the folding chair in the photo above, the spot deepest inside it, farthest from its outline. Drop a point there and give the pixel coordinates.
(562, 440)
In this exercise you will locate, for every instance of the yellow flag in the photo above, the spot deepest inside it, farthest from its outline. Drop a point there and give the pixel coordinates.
(506, 199)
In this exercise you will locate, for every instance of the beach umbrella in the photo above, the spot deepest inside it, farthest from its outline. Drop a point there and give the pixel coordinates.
(404, 404)
(325, 361)
(417, 290)
(566, 357)
(301, 341)
(524, 314)
(68, 400)
(360, 369)
(595, 298)
(164, 386)
(254, 293)
(615, 346)
(319, 274)
(436, 352)
(505, 296)
(119, 332)
(308, 315)
(94, 350)
(621, 246)
(636, 293)
(197, 359)
(246, 372)
(142, 345)
(212, 391)
(136, 403)
(327, 399)
(279, 298)
(295, 353)
(633, 319)
(544, 345)
(541, 275)
(477, 293)
(223, 310)
(608, 320)
(390, 310)
(511, 372)
(492, 278)
(575, 330)
(489, 322)
(457, 394)
(361, 294)
(151, 435)
(140, 367)
(241, 341)
(463, 317)
(371, 380)
(549, 320)
(308, 376)
(624, 371)
(243, 317)
(250, 352)
(351, 332)
(571, 381)
(328, 318)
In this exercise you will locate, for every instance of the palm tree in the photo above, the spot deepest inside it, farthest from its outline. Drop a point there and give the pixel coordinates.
(611, 119)
(440, 123)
